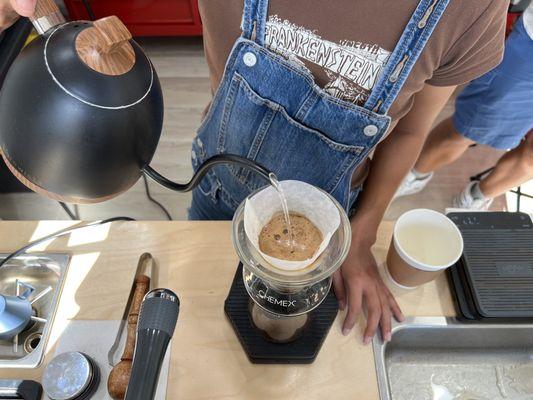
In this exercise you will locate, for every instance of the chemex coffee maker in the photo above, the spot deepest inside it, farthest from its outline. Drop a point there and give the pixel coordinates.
(283, 316)
(81, 114)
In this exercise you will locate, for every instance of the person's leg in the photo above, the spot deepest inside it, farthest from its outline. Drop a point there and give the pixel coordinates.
(501, 120)
(513, 169)
(443, 146)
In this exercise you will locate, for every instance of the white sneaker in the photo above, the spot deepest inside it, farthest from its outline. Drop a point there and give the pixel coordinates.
(467, 200)
(412, 184)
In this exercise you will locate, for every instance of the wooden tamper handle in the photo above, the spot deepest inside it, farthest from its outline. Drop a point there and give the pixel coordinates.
(119, 376)
(105, 47)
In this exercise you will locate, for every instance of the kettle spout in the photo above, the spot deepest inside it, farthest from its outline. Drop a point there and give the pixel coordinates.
(204, 168)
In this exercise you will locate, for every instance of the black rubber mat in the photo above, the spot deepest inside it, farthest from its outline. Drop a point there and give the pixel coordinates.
(494, 278)
(261, 351)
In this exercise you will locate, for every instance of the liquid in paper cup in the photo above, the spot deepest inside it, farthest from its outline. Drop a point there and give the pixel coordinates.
(424, 244)
(303, 199)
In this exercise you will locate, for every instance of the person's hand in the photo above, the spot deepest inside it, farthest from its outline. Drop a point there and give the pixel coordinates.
(359, 284)
(10, 10)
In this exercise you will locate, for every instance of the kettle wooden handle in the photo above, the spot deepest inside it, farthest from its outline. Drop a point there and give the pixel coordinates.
(142, 285)
(44, 8)
(46, 16)
(106, 47)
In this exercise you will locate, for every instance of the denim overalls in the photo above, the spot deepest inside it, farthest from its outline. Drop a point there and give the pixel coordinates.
(270, 110)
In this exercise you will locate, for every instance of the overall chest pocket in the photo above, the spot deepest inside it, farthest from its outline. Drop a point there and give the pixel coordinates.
(262, 130)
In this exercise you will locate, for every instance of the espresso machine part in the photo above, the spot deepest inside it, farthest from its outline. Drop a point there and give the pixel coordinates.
(15, 312)
(283, 316)
(71, 376)
(157, 321)
(119, 376)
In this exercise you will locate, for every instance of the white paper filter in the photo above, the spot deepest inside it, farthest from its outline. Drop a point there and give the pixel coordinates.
(303, 199)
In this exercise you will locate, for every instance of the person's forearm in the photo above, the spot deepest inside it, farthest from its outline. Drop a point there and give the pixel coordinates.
(393, 158)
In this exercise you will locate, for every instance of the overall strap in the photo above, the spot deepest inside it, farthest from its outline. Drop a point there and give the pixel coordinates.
(401, 62)
(254, 19)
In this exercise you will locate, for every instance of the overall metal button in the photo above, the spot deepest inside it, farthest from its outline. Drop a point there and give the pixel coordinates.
(370, 130)
(249, 59)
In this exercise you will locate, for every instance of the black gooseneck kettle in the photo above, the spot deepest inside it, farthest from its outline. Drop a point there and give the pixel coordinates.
(81, 111)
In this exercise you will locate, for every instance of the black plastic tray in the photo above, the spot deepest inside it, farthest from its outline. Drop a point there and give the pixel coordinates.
(493, 280)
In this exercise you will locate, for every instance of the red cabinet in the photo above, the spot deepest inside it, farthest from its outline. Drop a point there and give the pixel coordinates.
(145, 17)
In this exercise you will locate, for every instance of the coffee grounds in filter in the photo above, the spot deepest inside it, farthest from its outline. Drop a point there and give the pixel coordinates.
(275, 240)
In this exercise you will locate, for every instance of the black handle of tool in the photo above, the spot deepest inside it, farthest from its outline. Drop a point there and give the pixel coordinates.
(26, 390)
(157, 321)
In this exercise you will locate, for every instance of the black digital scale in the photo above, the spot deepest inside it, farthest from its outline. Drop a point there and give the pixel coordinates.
(493, 280)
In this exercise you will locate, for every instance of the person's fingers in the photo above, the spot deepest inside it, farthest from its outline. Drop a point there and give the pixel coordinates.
(374, 314)
(338, 288)
(355, 299)
(385, 321)
(396, 310)
(7, 15)
(26, 8)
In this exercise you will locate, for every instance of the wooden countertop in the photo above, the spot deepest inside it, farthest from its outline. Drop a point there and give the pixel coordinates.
(197, 261)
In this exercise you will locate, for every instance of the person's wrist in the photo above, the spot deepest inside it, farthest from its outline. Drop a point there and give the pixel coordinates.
(360, 256)
(364, 231)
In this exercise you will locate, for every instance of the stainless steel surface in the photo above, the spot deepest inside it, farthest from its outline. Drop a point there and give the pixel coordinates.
(20, 389)
(46, 273)
(9, 388)
(67, 376)
(165, 294)
(444, 359)
(32, 341)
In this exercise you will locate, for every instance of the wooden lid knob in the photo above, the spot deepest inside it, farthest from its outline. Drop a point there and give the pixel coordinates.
(105, 47)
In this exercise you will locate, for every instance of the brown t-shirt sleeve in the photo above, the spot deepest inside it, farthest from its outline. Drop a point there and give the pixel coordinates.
(478, 50)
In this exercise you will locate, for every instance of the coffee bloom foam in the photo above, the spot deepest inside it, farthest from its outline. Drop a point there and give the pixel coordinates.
(303, 199)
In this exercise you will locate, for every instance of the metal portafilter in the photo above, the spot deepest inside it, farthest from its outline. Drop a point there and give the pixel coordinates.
(157, 321)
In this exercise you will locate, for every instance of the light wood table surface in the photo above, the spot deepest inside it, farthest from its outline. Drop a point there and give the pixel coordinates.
(197, 261)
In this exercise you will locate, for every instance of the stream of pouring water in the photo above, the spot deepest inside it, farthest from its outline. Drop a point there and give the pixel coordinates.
(275, 183)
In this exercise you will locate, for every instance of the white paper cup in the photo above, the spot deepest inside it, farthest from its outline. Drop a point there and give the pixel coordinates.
(424, 244)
